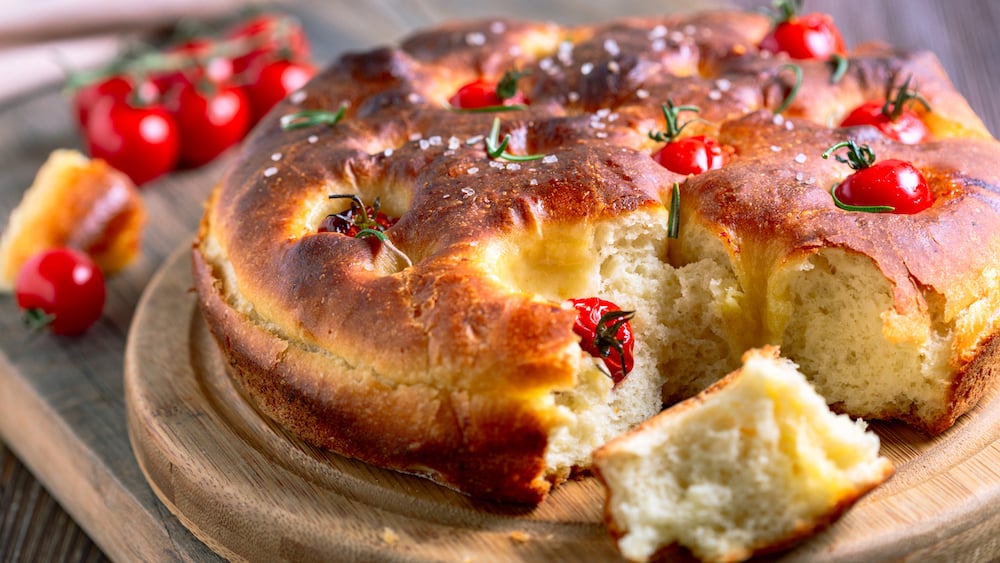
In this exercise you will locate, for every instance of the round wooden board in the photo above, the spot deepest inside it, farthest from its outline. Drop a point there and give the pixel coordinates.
(251, 491)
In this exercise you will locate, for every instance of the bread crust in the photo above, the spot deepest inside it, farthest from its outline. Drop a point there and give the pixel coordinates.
(444, 368)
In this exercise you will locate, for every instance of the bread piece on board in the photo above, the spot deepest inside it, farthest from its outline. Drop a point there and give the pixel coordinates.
(752, 464)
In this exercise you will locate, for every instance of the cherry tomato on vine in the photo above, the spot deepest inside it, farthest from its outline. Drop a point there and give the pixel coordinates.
(140, 140)
(61, 289)
(356, 218)
(806, 36)
(118, 87)
(268, 37)
(691, 155)
(277, 80)
(196, 62)
(887, 186)
(605, 333)
(210, 119)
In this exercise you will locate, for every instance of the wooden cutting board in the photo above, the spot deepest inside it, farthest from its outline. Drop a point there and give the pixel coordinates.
(251, 491)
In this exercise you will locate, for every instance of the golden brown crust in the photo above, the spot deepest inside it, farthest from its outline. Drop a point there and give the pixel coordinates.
(355, 350)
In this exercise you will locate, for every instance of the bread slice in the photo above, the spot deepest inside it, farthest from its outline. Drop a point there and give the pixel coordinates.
(752, 464)
(76, 202)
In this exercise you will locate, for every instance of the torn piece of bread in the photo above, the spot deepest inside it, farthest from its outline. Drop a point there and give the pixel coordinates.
(76, 202)
(752, 464)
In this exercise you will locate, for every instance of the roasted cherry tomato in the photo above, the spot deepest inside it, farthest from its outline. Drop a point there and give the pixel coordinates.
(482, 93)
(691, 155)
(688, 155)
(605, 333)
(140, 140)
(210, 118)
(268, 37)
(61, 289)
(357, 218)
(892, 117)
(277, 80)
(887, 186)
(807, 36)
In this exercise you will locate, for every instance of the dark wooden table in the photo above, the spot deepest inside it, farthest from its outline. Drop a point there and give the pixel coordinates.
(89, 409)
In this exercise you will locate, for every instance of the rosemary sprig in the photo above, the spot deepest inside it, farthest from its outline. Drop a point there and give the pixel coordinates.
(670, 113)
(858, 158)
(310, 117)
(606, 335)
(497, 148)
(840, 64)
(794, 91)
(894, 105)
(862, 208)
(674, 218)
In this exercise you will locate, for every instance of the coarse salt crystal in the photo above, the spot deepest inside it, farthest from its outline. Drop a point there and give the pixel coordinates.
(312, 139)
(714, 95)
(565, 53)
(453, 143)
(435, 140)
(573, 96)
(298, 97)
(601, 135)
(778, 119)
(775, 148)
(472, 170)
(657, 32)
(276, 156)
(416, 136)
(614, 67)
(468, 192)
(498, 27)
(533, 182)
(549, 159)
(611, 46)
(546, 64)
(475, 38)
(800, 158)
(659, 45)
(270, 171)
(513, 166)
(424, 144)
(585, 68)
(723, 84)
(642, 93)
(387, 152)
(603, 112)
(473, 140)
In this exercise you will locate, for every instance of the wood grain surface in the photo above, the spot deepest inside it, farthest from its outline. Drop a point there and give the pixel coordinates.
(62, 400)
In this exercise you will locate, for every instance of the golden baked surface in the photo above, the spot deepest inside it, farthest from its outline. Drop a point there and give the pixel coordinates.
(459, 361)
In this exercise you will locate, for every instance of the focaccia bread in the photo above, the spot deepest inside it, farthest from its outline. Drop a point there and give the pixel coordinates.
(444, 344)
(752, 464)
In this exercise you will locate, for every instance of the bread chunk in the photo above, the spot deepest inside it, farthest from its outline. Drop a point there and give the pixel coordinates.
(752, 464)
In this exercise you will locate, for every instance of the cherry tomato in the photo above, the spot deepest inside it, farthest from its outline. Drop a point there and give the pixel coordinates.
(691, 155)
(210, 119)
(140, 140)
(196, 62)
(481, 94)
(890, 185)
(894, 183)
(605, 332)
(268, 37)
(809, 36)
(62, 289)
(117, 87)
(277, 80)
(907, 128)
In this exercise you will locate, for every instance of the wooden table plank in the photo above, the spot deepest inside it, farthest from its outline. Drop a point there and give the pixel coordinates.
(61, 403)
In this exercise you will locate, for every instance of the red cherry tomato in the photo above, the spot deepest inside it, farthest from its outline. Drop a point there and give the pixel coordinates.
(907, 128)
(277, 80)
(141, 141)
(210, 120)
(894, 183)
(62, 289)
(268, 37)
(691, 155)
(809, 36)
(481, 94)
(117, 87)
(605, 333)
(195, 62)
